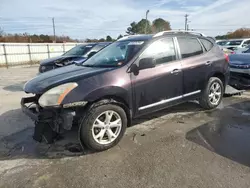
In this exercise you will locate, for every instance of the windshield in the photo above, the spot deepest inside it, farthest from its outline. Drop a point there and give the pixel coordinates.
(78, 50)
(234, 42)
(222, 43)
(116, 54)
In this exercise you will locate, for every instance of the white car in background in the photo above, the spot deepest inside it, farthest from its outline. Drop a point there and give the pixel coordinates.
(234, 44)
(221, 42)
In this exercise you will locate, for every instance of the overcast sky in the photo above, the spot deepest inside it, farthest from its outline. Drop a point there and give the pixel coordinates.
(97, 18)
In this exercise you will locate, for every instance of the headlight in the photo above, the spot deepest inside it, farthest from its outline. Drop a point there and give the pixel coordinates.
(42, 68)
(55, 96)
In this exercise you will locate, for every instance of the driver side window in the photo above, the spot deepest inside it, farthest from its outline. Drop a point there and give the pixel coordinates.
(162, 51)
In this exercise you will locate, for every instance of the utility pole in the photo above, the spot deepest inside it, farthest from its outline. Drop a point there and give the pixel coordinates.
(188, 25)
(146, 26)
(54, 29)
(186, 22)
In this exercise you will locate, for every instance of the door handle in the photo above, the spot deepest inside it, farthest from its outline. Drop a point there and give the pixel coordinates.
(208, 63)
(175, 71)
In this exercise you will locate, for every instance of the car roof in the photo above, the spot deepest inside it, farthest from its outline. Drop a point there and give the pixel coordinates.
(95, 43)
(152, 36)
(136, 38)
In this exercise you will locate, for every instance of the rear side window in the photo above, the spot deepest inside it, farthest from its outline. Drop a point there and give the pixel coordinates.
(189, 47)
(163, 51)
(207, 44)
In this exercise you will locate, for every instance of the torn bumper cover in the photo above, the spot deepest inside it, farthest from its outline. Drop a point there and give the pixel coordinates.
(49, 122)
(239, 80)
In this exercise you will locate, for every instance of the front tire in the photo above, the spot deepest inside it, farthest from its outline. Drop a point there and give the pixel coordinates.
(103, 127)
(212, 95)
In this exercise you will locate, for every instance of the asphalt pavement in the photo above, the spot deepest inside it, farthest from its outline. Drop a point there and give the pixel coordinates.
(183, 146)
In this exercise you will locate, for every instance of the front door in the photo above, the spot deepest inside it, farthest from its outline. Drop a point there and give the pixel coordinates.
(161, 86)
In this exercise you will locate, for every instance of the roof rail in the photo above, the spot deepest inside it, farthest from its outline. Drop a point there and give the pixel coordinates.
(178, 31)
(129, 36)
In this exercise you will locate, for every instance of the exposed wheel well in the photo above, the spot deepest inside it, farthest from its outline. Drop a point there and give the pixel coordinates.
(220, 76)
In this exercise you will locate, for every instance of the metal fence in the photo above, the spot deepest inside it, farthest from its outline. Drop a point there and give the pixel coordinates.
(12, 54)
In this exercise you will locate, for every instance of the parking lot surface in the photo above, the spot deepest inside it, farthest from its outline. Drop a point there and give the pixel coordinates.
(183, 146)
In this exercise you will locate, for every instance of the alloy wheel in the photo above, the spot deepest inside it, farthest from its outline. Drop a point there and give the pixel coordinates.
(107, 127)
(215, 93)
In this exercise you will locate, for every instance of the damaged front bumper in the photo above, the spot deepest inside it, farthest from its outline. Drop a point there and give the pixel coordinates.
(49, 122)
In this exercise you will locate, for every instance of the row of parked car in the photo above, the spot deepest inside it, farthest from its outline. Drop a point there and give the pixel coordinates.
(102, 87)
(236, 45)
(239, 56)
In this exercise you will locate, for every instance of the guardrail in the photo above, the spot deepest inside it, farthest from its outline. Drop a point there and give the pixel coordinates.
(12, 54)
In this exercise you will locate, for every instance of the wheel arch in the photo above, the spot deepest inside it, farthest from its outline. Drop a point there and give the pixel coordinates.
(219, 75)
(116, 100)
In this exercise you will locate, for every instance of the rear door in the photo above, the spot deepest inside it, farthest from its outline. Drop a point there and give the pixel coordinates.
(195, 64)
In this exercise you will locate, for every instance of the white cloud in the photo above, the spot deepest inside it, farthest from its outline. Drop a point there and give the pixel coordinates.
(98, 18)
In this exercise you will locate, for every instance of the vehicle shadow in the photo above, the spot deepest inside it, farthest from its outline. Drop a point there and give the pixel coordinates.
(20, 144)
(230, 129)
(228, 135)
(15, 87)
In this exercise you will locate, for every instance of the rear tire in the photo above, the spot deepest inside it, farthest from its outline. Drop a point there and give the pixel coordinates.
(212, 95)
(101, 129)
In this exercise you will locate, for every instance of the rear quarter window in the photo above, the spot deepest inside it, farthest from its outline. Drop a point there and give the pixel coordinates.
(189, 47)
(207, 44)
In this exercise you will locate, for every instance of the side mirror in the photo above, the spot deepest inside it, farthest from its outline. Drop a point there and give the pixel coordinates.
(146, 63)
(91, 54)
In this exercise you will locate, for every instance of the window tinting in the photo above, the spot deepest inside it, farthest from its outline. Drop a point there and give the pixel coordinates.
(161, 50)
(247, 42)
(98, 47)
(189, 47)
(234, 42)
(207, 44)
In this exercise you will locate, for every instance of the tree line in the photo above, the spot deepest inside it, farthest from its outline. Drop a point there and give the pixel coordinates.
(27, 38)
(239, 33)
(142, 27)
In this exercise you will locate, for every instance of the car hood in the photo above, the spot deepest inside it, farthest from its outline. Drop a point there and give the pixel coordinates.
(239, 59)
(50, 79)
(52, 61)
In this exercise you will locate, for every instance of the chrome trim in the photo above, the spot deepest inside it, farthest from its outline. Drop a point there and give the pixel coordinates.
(192, 93)
(169, 100)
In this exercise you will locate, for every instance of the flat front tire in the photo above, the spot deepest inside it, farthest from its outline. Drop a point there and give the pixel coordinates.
(212, 95)
(103, 127)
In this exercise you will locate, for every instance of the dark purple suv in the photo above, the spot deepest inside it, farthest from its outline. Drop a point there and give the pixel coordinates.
(134, 76)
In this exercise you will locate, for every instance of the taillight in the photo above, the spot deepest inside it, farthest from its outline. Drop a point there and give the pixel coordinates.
(226, 57)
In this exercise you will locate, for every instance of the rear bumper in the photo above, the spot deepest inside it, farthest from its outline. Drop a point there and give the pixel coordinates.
(239, 80)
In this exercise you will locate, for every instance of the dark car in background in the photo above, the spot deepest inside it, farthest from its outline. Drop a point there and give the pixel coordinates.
(240, 70)
(133, 76)
(79, 54)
